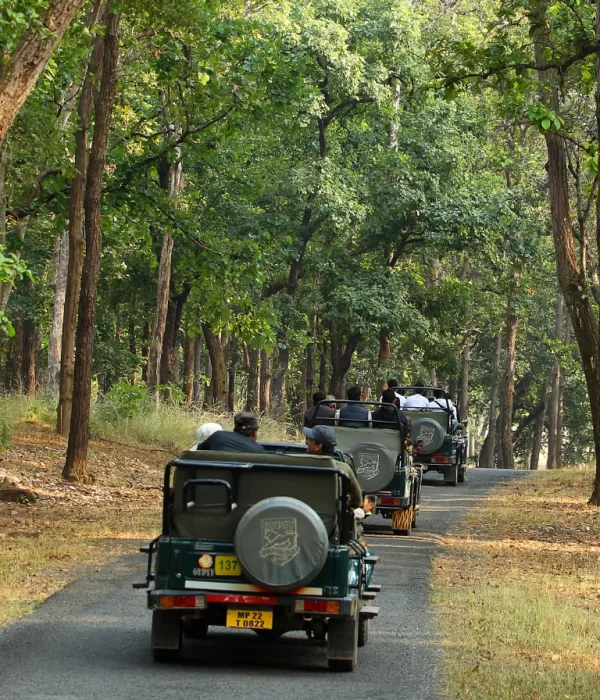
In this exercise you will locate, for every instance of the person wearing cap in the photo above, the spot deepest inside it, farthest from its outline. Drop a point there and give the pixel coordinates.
(204, 431)
(242, 439)
(321, 441)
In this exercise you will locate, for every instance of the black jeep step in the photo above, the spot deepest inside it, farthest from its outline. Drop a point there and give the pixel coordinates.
(145, 549)
(369, 595)
(369, 611)
(374, 587)
(372, 559)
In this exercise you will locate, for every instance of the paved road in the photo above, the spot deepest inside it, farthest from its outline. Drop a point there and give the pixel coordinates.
(91, 641)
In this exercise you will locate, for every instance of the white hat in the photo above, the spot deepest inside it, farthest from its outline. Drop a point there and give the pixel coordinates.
(205, 430)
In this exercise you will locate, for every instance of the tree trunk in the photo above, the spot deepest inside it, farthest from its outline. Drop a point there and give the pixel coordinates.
(219, 367)
(14, 360)
(208, 389)
(572, 278)
(188, 369)
(28, 60)
(463, 391)
(146, 335)
(162, 309)
(28, 358)
(309, 379)
(554, 405)
(76, 467)
(279, 379)
(341, 359)
(539, 428)
(76, 239)
(231, 370)
(508, 389)
(561, 407)
(132, 337)
(197, 369)
(58, 312)
(170, 337)
(252, 394)
(486, 456)
(265, 381)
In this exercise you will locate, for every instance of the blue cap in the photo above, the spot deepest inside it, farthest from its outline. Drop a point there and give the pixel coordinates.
(322, 434)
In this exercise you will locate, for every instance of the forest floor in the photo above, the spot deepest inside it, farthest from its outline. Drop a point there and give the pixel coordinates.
(517, 590)
(70, 528)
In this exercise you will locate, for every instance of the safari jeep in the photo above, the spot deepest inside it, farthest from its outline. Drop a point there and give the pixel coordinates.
(437, 448)
(383, 467)
(262, 542)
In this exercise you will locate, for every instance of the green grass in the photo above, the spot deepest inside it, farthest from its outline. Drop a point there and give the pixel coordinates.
(517, 591)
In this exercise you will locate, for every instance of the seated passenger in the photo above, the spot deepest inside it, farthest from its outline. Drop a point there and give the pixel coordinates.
(323, 416)
(204, 431)
(321, 441)
(353, 415)
(418, 399)
(438, 402)
(367, 508)
(387, 413)
(393, 384)
(242, 439)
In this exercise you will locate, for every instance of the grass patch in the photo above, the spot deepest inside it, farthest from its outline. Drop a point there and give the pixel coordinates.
(517, 590)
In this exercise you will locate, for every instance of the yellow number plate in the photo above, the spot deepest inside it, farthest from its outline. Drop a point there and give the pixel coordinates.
(227, 566)
(250, 619)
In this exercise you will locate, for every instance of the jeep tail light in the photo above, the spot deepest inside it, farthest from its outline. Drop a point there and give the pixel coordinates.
(182, 601)
(332, 607)
(386, 501)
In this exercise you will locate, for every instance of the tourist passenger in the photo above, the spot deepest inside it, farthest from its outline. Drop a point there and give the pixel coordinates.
(386, 416)
(321, 441)
(418, 399)
(204, 431)
(393, 384)
(242, 439)
(352, 415)
(325, 413)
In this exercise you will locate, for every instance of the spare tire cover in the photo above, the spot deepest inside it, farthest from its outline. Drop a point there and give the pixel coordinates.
(281, 543)
(430, 433)
(374, 466)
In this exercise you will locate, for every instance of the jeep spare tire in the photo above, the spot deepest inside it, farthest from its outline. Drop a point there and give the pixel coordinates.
(281, 543)
(430, 433)
(374, 466)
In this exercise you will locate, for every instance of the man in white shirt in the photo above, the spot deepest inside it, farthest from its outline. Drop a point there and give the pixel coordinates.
(418, 399)
(442, 402)
(393, 384)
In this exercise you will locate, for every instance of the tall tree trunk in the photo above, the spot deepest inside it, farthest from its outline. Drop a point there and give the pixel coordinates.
(538, 432)
(171, 335)
(28, 60)
(265, 381)
(146, 335)
(341, 359)
(197, 369)
(571, 276)
(132, 337)
(463, 391)
(188, 369)
(162, 309)
(554, 405)
(278, 382)
(28, 358)
(383, 358)
(486, 456)
(231, 371)
(76, 238)
(208, 389)
(14, 360)
(219, 367)
(58, 312)
(508, 389)
(561, 407)
(323, 352)
(76, 467)
(252, 395)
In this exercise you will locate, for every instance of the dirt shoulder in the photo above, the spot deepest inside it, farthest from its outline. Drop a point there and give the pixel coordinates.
(517, 591)
(69, 528)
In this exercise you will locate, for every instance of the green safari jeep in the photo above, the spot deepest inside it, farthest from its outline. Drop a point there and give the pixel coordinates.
(262, 542)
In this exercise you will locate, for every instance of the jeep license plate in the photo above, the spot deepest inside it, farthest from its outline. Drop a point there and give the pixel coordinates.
(227, 566)
(250, 619)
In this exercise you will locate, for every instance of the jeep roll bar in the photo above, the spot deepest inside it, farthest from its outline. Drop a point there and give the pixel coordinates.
(380, 423)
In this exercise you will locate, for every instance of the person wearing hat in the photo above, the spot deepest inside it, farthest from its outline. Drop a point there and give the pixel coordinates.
(204, 431)
(321, 441)
(242, 439)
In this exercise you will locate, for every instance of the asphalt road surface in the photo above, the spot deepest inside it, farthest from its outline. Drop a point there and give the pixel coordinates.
(91, 640)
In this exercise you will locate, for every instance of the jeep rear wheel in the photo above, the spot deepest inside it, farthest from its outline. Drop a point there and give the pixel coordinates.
(462, 475)
(363, 631)
(402, 521)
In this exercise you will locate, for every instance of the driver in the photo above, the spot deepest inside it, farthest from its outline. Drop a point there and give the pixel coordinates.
(321, 441)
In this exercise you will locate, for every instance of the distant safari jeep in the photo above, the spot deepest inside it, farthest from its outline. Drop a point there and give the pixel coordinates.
(262, 542)
(382, 465)
(439, 444)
